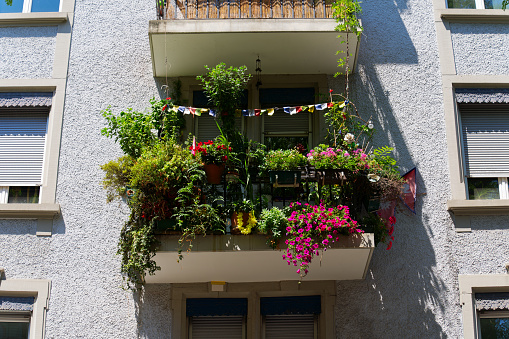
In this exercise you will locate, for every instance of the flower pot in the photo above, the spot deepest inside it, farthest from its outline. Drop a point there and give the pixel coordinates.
(333, 176)
(285, 178)
(232, 176)
(214, 173)
(234, 229)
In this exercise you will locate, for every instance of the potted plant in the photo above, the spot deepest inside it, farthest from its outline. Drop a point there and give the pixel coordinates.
(283, 167)
(243, 218)
(224, 87)
(214, 155)
(273, 222)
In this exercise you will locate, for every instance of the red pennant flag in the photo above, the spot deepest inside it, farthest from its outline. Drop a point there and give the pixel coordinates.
(257, 111)
(192, 110)
(409, 190)
(298, 108)
(330, 104)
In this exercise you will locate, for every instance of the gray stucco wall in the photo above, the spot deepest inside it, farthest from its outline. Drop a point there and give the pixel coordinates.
(481, 48)
(27, 52)
(410, 291)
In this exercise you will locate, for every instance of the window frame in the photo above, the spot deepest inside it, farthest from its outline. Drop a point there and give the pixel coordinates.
(38, 288)
(479, 4)
(459, 204)
(253, 127)
(253, 292)
(27, 8)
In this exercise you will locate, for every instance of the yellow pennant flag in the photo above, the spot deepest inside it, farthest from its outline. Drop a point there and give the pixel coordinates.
(270, 111)
(311, 108)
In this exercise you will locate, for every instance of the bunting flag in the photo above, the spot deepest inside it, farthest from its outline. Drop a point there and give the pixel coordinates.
(410, 189)
(254, 112)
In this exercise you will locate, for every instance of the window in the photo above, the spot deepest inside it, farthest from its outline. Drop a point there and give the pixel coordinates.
(485, 141)
(205, 127)
(15, 313)
(23, 305)
(290, 317)
(480, 4)
(259, 310)
(211, 318)
(26, 6)
(23, 128)
(284, 130)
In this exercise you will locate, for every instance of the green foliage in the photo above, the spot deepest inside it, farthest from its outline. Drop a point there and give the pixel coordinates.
(135, 130)
(117, 176)
(345, 12)
(8, 2)
(137, 246)
(283, 160)
(224, 87)
(382, 163)
(342, 118)
(131, 129)
(273, 222)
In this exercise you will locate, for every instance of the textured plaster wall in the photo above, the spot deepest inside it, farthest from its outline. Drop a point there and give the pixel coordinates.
(27, 52)
(481, 48)
(411, 290)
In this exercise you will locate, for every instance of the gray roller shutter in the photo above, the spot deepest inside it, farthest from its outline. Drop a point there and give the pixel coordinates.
(216, 327)
(285, 124)
(207, 127)
(22, 143)
(292, 326)
(485, 134)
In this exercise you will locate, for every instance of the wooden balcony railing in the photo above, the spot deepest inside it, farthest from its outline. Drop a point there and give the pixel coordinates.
(245, 9)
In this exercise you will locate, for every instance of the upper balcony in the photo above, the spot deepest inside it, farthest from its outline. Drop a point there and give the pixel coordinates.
(290, 37)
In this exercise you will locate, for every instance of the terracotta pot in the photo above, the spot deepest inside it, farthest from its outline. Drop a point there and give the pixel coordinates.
(214, 173)
(245, 218)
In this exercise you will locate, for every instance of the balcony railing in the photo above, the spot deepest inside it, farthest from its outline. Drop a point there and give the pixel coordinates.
(245, 9)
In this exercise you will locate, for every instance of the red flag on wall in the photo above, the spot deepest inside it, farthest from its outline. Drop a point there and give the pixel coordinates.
(409, 190)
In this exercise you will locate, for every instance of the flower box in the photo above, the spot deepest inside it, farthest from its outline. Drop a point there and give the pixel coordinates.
(285, 178)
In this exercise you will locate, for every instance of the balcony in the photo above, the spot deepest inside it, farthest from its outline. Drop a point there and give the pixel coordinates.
(241, 258)
(290, 37)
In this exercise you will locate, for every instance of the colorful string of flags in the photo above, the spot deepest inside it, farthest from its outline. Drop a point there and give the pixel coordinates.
(256, 111)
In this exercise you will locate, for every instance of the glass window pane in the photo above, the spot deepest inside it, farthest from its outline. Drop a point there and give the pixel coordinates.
(45, 5)
(14, 330)
(494, 328)
(17, 7)
(493, 4)
(460, 3)
(24, 195)
(483, 188)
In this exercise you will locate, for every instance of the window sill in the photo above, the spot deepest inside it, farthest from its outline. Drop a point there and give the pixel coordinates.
(29, 211)
(479, 207)
(475, 15)
(32, 19)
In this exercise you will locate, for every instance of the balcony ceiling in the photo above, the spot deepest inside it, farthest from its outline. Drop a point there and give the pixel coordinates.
(285, 46)
(249, 259)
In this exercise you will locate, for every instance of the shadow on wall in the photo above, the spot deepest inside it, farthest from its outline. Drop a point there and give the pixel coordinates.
(28, 227)
(402, 296)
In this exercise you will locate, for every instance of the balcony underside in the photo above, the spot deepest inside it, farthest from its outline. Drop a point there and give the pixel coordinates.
(248, 259)
(284, 46)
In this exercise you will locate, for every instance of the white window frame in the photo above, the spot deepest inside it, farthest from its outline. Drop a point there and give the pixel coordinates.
(468, 286)
(38, 288)
(479, 4)
(27, 7)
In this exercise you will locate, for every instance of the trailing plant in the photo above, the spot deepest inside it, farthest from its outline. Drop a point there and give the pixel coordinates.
(314, 228)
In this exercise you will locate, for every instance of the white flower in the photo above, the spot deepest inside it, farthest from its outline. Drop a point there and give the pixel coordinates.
(349, 138)
(373, 177)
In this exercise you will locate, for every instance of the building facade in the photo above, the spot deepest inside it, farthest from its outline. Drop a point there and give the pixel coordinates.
(433, 75)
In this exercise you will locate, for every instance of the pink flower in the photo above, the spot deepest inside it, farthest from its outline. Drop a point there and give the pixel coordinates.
(392, 220)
